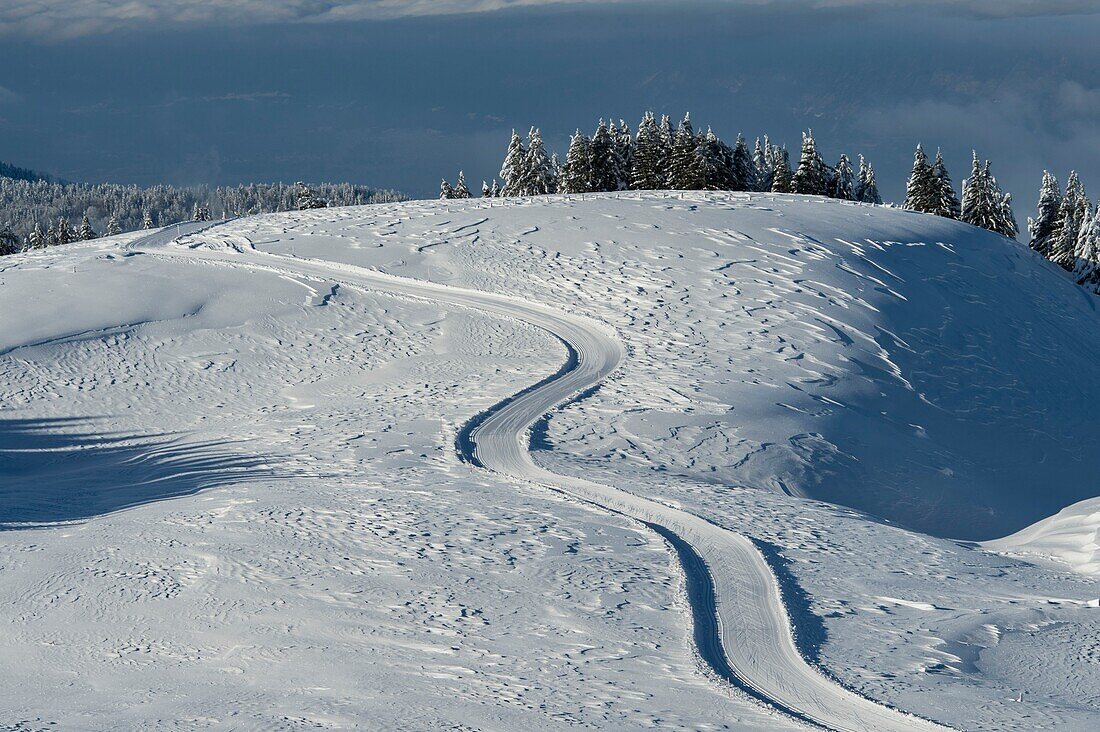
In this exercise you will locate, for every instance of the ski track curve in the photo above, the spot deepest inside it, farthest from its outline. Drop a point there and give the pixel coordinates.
(741, 627)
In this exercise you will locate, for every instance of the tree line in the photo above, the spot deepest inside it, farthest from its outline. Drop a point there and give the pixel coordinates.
(1066, 229)
(660, 157)
(40, 213)
(930, 190)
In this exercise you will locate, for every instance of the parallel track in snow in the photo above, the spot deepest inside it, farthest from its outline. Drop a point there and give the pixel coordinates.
(741, 626)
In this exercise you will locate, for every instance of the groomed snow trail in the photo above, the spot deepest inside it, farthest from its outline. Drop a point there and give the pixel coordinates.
(751, 642)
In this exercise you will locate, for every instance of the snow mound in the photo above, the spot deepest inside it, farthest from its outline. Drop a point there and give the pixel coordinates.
(1071, 537)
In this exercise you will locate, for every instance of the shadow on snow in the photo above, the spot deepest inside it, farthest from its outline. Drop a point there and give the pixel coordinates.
(63, 470)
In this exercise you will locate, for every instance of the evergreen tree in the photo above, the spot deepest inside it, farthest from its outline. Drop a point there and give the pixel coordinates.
(713, 164)
(843, 183)
(51, 235)
(1087, 265)
(86, 232)
(646, 172)
(1006, 224)
(576, 174)
(782, 178)
(921, 192)
(743, 177)
(147, 220)
(664, 148)
(538, 175)
(555, 172)
(114, 229)
(460, 190)
(37, 240)
(9, 242)
(683, 169)
(811, 178)
(1041, 229)
(625, 151)
(446, 192)
(1067, 229)
(606, 172)
(494, 190)
(972, 196)
(306, 200)
(947, 203)
(485, 191)
(765, 167)
(63, 234)
(512, 170)
(986, 206)
(866, 187)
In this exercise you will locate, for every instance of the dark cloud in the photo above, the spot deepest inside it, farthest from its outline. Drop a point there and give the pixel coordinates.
(58, 20)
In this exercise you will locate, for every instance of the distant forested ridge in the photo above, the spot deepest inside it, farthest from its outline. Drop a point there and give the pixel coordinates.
(40, 212)
(7, 170)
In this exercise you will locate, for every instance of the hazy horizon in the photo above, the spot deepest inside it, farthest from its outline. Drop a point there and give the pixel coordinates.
(399, 103)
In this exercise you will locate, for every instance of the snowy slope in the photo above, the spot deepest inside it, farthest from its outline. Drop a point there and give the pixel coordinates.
(916, 368)
(328, 560)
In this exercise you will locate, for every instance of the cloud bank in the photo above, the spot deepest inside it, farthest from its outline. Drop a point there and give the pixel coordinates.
(62, 19)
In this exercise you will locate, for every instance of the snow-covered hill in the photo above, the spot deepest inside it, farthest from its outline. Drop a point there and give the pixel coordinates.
(328, 559)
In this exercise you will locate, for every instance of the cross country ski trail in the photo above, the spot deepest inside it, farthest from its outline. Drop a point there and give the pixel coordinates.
(743, 631)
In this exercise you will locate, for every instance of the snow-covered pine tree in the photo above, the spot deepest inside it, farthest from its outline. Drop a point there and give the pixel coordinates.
(512, 171)
(947, 203)
(36, 239)
(147, 220)
(485, 191)
(683, 167)
(984, 204)
(555, 172)
(713, 164)
(1041, 228)
(743, 173)
(576, 174)
(305, 200)
(782, 177)
(86, 233)
(461, 190)
(1067, 229)
(921, 193)
(114, 228)
(538, 177)
(9, 242)
(446, 190)
(718, 160)
(842, 185)
(665, 137)
(645, 173)
(811, 178)
(624, 147)
(63, 233)
(494, 190)
(51, 235)
(973, 197)
(762, 162)
(605, 171)
(1087, 266)
(1006, 222)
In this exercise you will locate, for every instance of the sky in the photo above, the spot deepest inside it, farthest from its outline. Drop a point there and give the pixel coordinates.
(397, 93)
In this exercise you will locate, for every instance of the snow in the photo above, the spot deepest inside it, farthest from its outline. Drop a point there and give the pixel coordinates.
(846, 387)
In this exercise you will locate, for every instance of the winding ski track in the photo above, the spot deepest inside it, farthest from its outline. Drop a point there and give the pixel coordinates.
(741, 626)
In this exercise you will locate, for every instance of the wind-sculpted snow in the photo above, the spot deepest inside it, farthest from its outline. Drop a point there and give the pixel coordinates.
(905, 365)
(767, 347)
(751, 644)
